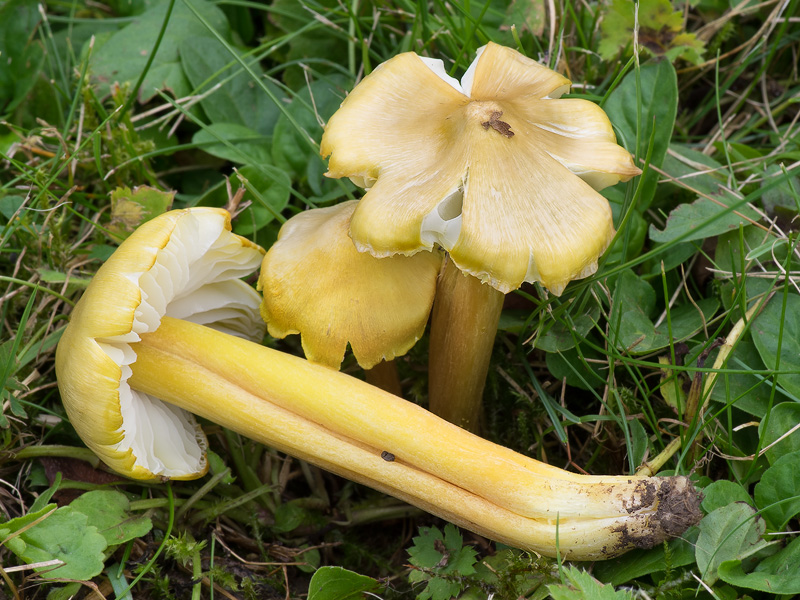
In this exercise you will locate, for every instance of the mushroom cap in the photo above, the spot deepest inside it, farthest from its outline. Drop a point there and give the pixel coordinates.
(184, 264)
(498, 170)
(316, 283)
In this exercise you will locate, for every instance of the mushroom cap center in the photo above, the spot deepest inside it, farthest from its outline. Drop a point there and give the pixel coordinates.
(479, 111)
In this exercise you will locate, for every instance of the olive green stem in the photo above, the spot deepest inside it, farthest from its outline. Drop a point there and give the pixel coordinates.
(652, 467)
(463, 328)
(384, 375)
(58, 451)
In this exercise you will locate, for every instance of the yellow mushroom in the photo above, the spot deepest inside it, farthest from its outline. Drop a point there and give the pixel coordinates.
(310, 411)
(497, 169)
(183, 264)
(317, 284)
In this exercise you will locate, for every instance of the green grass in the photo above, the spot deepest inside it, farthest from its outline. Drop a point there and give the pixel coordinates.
(601, 379)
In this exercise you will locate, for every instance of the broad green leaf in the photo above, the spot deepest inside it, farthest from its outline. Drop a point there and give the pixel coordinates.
(562, 335)
(639, 441)
(776, 328)
(289, 516)
(733, 248)
(722, 493)
(586, 370)
(21, 51)
(272, 188)
(670, 258)
(43, 501)
(249, 147)
(705, 218)
(743, 292)
(124, 55)
(70, 591)
(439, 589)
(307, 37)
(78, 35)
(777, 574)
(109, 512)
(513, 320)
(659, 30)
(336, 583)
(126, 8)
(428, 548)
(297, 151)
(634, 303)
(785, 195)
(527, 15)
(744, 153)
(777, 494)
(694, 169)
(732, 532)
(217, 465)
(131, 208)
(659, 106)
(239, 99)
(782, 418)
(9, 205)
(630, 242)
(582, 586)
(63, 534)
(636, 564)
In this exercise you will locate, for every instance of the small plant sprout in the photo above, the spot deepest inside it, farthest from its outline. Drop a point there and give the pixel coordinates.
(317, 284)
(496, 169)
(132, 360)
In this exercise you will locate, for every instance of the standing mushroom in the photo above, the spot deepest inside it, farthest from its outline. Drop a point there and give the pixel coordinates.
(312, 412)
(317, 284)
(497, 170)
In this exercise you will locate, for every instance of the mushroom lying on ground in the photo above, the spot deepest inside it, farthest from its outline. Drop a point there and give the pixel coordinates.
(184, 264)
(317, 284)
(331, 420)
(497, 170)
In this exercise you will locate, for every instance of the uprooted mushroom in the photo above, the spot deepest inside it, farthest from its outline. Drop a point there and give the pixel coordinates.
(144, 349)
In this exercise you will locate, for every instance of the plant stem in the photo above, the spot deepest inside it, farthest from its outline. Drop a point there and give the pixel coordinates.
(384, 375)
(463, 327)
(703, 391)
(57, 451)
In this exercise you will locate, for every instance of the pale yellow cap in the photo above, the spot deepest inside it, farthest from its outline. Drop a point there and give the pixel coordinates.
(498, 169)
(317, 284)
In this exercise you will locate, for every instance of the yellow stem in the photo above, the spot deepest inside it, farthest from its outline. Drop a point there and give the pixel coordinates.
(347, 426)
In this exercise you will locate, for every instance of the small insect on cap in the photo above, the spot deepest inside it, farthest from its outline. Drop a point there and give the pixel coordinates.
(497, 169)
(317, 284)
(184, 264)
